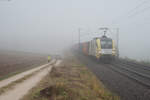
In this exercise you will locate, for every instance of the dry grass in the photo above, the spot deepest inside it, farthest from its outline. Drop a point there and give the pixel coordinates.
(70, 81)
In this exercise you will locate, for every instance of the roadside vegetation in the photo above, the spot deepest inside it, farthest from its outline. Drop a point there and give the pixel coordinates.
(70, 81)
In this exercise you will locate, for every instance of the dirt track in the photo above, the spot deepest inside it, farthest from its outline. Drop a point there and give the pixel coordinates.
(22, 88)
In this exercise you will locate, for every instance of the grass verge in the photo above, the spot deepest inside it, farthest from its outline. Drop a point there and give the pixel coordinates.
(70, 81)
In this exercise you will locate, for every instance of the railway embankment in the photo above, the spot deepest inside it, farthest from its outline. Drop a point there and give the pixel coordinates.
(71, 80)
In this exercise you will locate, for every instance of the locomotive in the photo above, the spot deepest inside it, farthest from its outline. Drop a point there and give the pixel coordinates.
(101, 48)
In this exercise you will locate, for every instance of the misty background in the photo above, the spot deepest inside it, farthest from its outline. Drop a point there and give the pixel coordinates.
(50, 26)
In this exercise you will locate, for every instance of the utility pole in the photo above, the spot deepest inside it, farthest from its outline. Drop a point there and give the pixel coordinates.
(117, 42)
(79, 37)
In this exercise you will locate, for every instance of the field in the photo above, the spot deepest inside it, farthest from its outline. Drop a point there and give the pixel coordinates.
(13, 62)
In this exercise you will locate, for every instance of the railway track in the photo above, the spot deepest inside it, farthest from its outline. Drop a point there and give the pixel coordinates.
(127, 84)
(134, 64)
(134, 71)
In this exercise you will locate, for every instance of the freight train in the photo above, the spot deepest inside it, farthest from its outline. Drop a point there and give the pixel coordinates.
(100, 48)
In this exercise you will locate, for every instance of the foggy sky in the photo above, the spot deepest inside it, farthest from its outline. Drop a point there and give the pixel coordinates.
(49, 26)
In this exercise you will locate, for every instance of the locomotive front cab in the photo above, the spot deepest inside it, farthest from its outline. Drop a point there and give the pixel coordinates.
(105, 48)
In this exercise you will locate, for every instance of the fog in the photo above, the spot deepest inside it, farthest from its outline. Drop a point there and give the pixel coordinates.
(50, 26)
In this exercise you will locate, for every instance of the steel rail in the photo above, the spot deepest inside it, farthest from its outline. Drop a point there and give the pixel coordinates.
(120, 70)
(135, 72)
(137, 65)
(135, 68)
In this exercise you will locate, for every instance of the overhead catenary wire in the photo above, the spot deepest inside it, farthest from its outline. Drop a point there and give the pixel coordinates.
(133, 12)
(6, 0)
(139, 12)
(138, 6)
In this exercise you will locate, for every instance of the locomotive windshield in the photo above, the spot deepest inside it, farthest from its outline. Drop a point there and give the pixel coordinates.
(106, 44)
